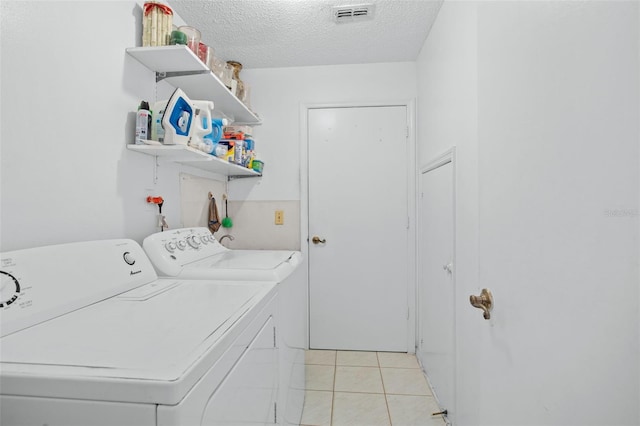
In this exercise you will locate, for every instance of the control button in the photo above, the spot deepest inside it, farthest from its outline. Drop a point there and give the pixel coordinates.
(194, 241)
(182, 245)
(170, 246)
(205, 239)
(128, 258)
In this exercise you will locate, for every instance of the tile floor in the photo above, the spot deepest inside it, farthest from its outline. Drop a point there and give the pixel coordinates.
(368, 389)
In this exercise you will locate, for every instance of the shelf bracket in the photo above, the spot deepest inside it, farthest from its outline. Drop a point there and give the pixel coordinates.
(161, 75)
(155, 169)
(234, 177)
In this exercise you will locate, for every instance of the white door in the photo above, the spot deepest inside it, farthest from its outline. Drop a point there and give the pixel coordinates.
(358, 178)
(436, 281)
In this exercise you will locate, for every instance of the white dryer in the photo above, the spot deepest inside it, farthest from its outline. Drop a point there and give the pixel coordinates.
(91, 336)
(195, 253)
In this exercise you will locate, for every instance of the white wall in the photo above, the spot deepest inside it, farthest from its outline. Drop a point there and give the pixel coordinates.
(278, 94)
(69, 92)
(447, 116)
(542, 101)
(73, 179)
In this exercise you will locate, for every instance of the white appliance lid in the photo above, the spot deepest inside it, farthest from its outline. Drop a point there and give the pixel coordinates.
(261, 260)
(154, 332)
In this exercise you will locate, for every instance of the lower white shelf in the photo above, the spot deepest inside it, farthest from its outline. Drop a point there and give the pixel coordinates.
(195, 158)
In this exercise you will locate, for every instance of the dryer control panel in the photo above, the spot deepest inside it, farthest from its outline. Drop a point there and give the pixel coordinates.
(169, 251)
(45, 282)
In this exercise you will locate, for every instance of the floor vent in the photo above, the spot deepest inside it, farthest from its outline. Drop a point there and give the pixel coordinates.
(342, 14)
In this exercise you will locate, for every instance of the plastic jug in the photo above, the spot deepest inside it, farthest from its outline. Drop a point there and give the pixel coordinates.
(203, 117)
(216, 131)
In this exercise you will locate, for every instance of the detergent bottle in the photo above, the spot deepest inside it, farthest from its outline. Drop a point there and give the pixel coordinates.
(202, 123)
(217, 127)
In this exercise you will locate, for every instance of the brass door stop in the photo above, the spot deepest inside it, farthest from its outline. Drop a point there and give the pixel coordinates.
(484, 302)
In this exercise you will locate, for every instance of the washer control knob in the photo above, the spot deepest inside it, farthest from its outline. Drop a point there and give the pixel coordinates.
(194, 241)
(170, 246)
(182, 244)
(128, 257)
(9, 289)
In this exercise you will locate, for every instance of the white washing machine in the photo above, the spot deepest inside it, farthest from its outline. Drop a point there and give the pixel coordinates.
(195, 253)
(91, 336)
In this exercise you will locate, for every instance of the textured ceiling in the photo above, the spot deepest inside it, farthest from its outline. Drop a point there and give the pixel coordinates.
(288, 33)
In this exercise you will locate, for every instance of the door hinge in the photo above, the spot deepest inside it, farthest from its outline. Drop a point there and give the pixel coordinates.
(407, 312)
(274, 337)
(407, 132)
(275, 412)
(408, 222)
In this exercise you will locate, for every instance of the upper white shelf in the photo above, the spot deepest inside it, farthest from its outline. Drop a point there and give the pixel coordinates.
(174, 60)
(192, 157)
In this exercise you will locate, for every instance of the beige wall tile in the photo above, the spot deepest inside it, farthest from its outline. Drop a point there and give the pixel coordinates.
(194, 201)
(254, 227)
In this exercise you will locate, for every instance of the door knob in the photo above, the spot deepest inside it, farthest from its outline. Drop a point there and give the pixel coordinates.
(318, 240)
(484, 302)
(448, 267)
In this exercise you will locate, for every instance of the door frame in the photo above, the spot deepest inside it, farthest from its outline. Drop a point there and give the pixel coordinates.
(446, 157)
(412, 177)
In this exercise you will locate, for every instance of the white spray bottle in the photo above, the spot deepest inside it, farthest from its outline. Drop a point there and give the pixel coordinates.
(143, 123)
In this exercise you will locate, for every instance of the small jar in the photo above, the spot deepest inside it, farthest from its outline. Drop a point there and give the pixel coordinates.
(237, 67)
(203, 53)
(217, 66)
(227, 76)
(246, 98)
(193, 38)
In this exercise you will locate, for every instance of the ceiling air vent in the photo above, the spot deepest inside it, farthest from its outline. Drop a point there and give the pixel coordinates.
(353, 13)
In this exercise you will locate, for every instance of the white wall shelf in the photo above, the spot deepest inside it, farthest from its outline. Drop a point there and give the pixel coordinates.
(192, 157)
(180, 67)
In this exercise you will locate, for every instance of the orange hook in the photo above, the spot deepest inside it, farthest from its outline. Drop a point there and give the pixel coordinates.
(155, 200)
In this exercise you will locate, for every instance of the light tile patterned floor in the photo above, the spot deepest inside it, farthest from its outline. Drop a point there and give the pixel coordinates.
(368, 389)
